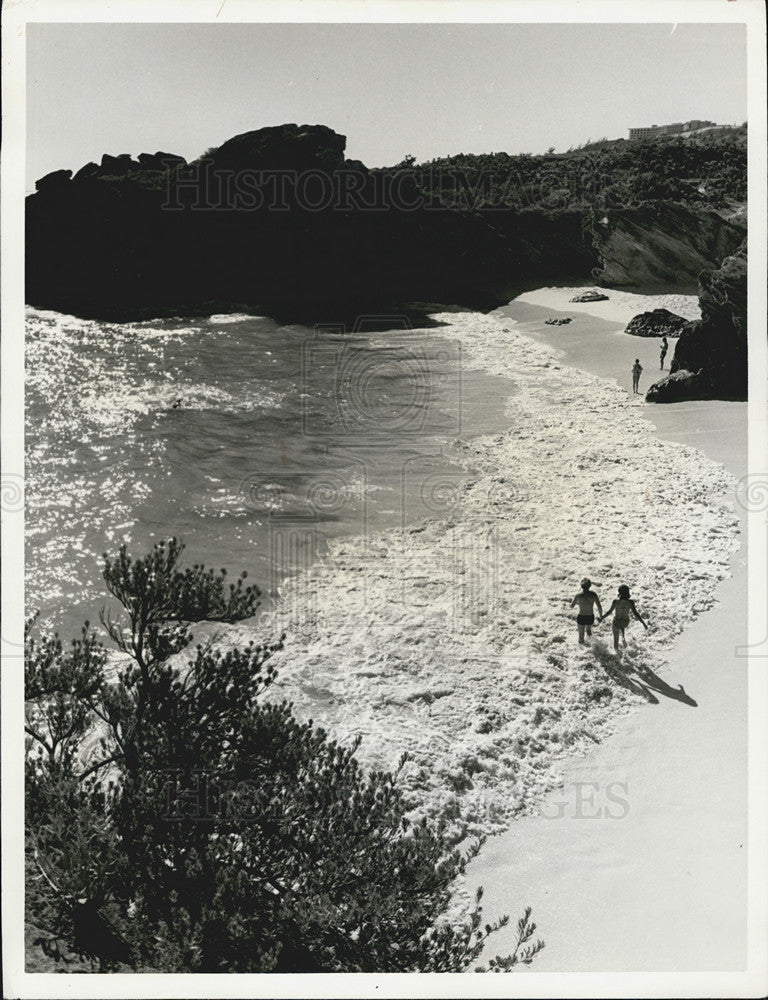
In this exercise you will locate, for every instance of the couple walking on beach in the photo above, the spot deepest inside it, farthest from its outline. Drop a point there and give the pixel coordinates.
(587, 600)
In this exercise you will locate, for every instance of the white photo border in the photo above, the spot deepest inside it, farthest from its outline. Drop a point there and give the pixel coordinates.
(753, 981)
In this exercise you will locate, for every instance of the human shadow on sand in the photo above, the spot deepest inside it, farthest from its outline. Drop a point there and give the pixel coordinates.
(652, 680)
(644, 682)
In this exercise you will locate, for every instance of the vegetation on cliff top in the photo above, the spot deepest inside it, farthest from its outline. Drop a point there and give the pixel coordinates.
(705, 170)
(709, 169)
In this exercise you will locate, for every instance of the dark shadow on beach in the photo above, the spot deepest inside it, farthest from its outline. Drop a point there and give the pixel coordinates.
(613, 668)
(644, 683)
(653, 680)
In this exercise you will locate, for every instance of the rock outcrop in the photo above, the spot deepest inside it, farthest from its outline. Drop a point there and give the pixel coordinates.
(656, 323)
(279, 221)
(663, 243)
(676, 387)
(160, 161)
(710, 360)
(55, 181)
(86, 172)
(591, 296)
(283, 147)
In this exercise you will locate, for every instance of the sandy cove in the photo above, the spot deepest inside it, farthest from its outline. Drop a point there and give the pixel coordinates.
(453, 639)
(619, 307)
(639, 860)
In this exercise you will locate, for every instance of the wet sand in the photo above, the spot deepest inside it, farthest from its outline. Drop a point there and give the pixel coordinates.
(638, 861)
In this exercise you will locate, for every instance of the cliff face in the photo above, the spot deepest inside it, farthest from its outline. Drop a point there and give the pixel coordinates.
(662, 244)
(279, 220)
(710, 359)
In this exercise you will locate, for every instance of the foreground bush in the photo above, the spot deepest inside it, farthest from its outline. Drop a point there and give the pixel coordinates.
(178, 823)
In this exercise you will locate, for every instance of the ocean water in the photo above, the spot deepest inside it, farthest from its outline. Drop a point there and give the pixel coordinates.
(253, 442)
(418, 506)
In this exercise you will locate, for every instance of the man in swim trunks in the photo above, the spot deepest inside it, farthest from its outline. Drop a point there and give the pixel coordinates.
(586, 600)
(637, 369)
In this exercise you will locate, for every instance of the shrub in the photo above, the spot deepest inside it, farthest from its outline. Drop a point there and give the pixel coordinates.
(179, 822)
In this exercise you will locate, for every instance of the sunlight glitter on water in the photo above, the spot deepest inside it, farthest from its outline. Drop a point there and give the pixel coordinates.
(212, 429)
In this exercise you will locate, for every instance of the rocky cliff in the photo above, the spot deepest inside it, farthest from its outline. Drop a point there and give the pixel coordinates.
(710, 360)
(663, 243)
(278, 220)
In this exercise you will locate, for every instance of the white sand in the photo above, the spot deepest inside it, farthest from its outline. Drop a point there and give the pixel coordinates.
(620, 307)
(638, 861)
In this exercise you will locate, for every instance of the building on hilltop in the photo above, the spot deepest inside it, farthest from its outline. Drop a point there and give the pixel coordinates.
(651, 130)
(676, 128)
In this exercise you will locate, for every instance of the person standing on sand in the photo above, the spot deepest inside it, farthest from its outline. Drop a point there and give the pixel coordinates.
(622, 608)
(636, 370)
(586, 600)
(664, 349)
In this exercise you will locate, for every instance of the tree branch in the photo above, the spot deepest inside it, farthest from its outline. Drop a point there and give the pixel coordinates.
(39, 738)
(102, 763)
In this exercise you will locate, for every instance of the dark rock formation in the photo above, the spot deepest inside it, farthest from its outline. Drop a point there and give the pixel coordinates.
(676, 387)
(124, 166)
(710, 360)
(656, 323)
(278, 221)
(557, 321)
(663, 243)
(283, 147)
(117, 165)
(54, 181)
(86, 172)
(591, 296)
(161, 161)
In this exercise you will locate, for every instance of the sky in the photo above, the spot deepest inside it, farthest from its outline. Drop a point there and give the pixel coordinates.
(426, 90)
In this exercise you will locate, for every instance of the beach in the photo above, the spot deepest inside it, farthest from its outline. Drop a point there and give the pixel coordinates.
(638, 861)
(619, 307)
(428, 611)
(321, 452)
(453, 639)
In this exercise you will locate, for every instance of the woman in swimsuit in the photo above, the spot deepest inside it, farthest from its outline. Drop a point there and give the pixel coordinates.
(622, 608)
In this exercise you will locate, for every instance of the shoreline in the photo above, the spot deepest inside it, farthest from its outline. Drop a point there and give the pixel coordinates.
(716, 427)
(376, 313)
(492, 703)
(419, 676)
(638, 860)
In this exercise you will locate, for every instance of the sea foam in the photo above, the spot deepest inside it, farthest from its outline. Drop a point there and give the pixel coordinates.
(454, 639)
